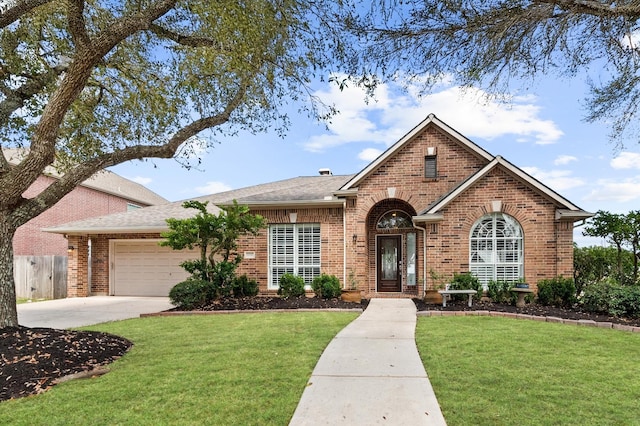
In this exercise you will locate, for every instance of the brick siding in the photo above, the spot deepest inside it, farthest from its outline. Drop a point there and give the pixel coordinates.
(81, 203)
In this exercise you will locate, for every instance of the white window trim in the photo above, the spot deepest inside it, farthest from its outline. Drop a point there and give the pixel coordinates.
(296, 265)
(494, 264)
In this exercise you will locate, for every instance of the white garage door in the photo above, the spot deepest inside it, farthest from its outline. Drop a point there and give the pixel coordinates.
(144, 268)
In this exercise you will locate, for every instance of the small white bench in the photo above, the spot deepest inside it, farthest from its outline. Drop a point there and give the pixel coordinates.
(446, 293)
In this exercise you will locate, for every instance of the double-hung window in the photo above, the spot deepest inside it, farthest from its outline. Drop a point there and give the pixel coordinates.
(295, 249)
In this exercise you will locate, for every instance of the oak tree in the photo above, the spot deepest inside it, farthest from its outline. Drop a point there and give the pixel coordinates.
(494, 43)
(86, 85)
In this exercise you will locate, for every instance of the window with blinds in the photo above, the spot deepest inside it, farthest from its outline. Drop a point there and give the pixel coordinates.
(430, 167)
(295, 249)
(496, 249)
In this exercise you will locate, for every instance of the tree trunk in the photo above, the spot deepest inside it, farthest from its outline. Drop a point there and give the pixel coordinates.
(8, 311)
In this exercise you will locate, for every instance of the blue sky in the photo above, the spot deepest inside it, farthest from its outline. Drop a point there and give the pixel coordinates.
(540, 129)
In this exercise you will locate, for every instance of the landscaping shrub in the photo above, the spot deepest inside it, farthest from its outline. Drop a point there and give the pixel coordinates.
(223, 275)
(326, 286)
(500, 292)
(610, 298)
(559, 292)
(465, 281)
(192, 294)
(291, 286)
(243, 286)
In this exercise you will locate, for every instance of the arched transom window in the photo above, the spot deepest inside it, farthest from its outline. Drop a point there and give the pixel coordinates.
(496, 249)
(395, 219)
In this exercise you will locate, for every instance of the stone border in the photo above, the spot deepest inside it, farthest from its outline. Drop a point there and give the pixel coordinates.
(583, 323)
(249, 311)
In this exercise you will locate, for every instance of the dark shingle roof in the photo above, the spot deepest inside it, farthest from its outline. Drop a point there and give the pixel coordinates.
(300, 190)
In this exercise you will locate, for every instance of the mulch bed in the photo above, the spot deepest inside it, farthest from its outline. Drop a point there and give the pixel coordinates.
(529, 309)
(34, 359)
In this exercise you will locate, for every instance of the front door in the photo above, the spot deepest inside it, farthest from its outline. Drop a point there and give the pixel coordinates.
(389, 261)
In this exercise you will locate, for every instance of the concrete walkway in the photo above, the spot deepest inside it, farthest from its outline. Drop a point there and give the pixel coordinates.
(82, 311)
(371, 373)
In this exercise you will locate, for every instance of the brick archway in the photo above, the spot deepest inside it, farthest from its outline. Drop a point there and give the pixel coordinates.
(374, 236)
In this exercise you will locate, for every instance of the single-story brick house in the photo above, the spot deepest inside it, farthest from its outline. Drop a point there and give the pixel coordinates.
(433, 204)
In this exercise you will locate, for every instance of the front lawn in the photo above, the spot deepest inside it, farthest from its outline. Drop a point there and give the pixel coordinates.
(498, 371)
(218, 369)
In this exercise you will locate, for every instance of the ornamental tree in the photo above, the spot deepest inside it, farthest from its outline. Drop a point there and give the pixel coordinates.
(86, 85)
(215, 235)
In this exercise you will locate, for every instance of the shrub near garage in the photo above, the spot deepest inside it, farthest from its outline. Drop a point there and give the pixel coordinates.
(326, 286)
(192, 294)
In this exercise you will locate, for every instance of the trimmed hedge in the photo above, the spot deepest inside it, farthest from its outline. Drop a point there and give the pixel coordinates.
(192, 294)
(291, 286)
(326, 286)
(559, 292)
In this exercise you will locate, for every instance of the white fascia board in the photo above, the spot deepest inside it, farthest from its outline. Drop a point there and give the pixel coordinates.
(530, 180)
(428, 218)
(572, 215)
(538, 185)
(114, 230)
(431, 118)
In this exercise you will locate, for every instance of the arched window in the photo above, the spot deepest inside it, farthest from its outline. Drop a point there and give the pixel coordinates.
(496, 249)
(395, 219)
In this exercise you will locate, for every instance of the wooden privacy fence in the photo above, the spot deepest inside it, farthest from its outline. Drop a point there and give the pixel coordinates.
(40, 277)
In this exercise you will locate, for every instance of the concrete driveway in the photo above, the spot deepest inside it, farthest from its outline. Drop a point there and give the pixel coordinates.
(81, 311)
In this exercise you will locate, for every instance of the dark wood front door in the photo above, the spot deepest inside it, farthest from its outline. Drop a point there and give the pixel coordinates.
(389, 262)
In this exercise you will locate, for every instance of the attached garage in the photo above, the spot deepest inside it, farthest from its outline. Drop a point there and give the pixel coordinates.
(144, 268)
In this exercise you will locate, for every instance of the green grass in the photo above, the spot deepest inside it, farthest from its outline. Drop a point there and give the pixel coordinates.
(21, 300)
(247, 369)
(497, 371)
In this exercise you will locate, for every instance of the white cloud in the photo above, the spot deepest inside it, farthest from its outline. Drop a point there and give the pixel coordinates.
(558, 180)
(626, 160)
(387, 118)
(561, 160)
(616, 191)
(369, 154)
(212, 188)
(141, 180)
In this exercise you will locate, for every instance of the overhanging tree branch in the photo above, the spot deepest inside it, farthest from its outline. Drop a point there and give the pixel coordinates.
(16, 9)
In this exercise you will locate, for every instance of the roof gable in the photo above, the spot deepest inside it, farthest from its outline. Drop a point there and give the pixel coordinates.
(396, 147)
(103, 181)
(529, 180)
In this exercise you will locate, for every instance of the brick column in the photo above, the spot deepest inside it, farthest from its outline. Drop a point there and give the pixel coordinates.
(77, 267)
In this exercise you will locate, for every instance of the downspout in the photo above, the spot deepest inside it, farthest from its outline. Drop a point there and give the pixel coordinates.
(424, 259)
(344, 243)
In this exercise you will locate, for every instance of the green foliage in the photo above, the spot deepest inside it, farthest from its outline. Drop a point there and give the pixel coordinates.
(611, 298)
(465, 281)
(291, 286)
(499, 292)
(90, 85)
(192, 294)
(594, 264)
(559, 291)
(223, 275)
(243, 286)
(622, 230)
(326, 286)
(216, 236)
(492, 44)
